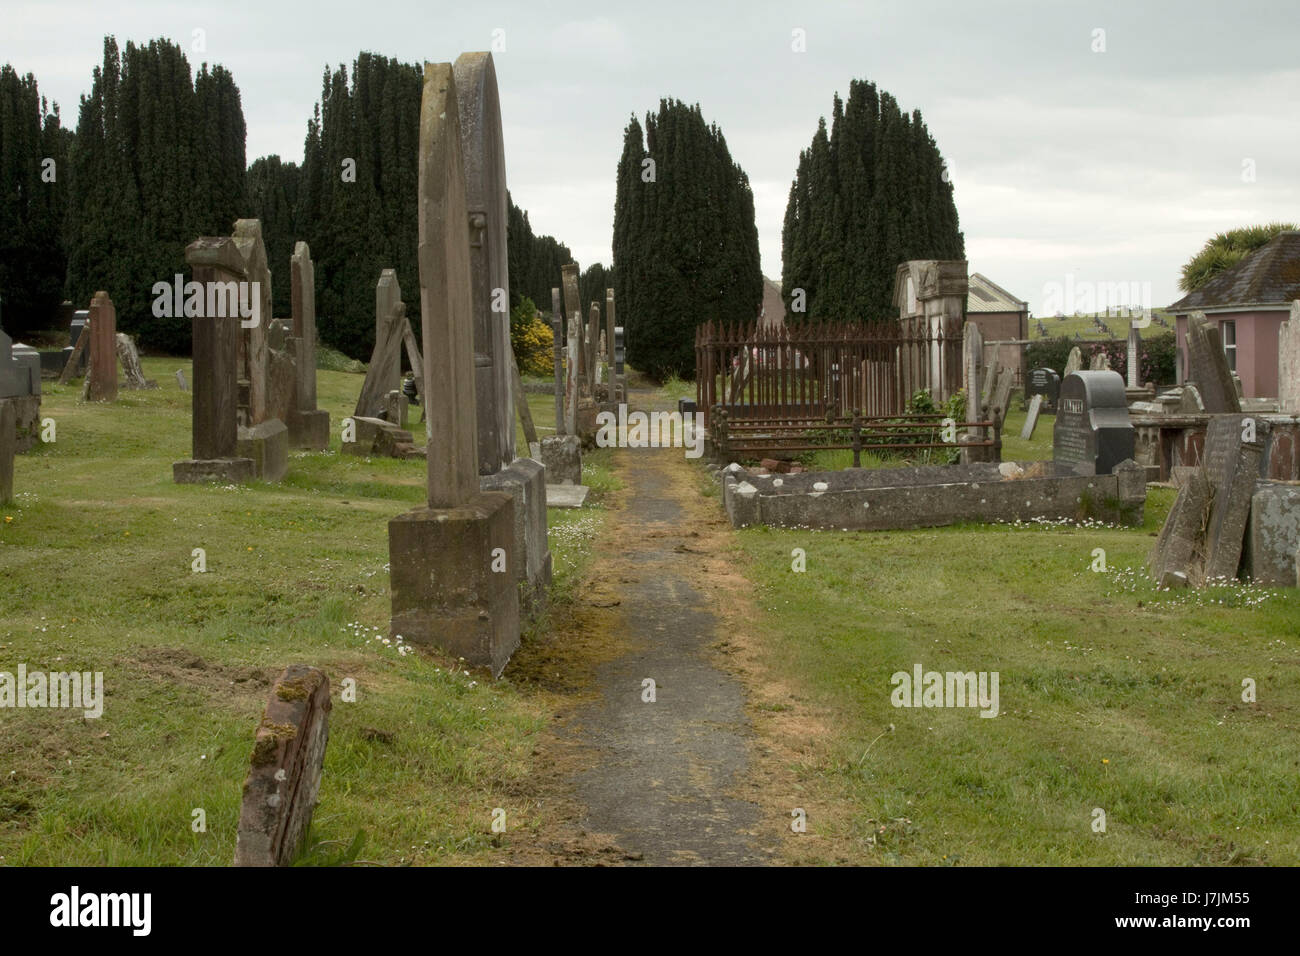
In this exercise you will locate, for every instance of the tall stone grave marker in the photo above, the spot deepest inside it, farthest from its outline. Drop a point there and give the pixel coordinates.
(1001, 397)
(573, 315)
(1232, 467)
(1073, 363)
(309, 427)
(101, 380)
(1093, 433)
(448, 584)
(384, 374)
(262, 436)
(1134, 367)
(1031, 418)
(499, 468)
(218, 267)
(557, 356)
(610, 377)
(1288, 362)
(1209, 366)
(284, 771)
(561, 453)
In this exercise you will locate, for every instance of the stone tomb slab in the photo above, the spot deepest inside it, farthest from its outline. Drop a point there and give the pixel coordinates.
(284, 771)
(566, 496)
(1093, 433)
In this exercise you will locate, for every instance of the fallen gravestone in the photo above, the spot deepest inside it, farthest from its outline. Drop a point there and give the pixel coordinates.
(1093, 433)
(1178, 558)
(284, 771)
(1232, 468)
(377, 437)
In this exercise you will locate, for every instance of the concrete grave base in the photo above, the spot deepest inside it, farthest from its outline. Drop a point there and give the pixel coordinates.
(268, 445)
(225, 471)
(525, 482)
(931, 496)
(566, 496)
(310, 429)
(444, 591)
(562, 457)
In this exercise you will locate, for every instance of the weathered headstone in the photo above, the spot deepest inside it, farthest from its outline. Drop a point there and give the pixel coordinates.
(990, 380)
(500, 469)
(448, 587)
(1273, 535)
(217, 266)
(1134, 367)
(1189, 401)
(1001, 397)
(1045, 382)
(1093, 433)
(573, 321)
(253, 360)
(129, 356)
(1209, 366)
(609, 346)
(1232, 467)
(972, 351)
(1100, 362)
(309, 426)
(284, 772)
(8, 447)
(20, 383)
(1178, 558)
(1288, 362)
(571, 380)
(619, 373)
(385, 370)
(1073, 363)
(1031, 418)
(180, 380)
(557, 355)
(593, 347)
(101, 379)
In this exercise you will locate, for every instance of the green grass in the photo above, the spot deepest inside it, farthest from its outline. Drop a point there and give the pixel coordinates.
(95, 574)
(1083, 325)
(1113, 695)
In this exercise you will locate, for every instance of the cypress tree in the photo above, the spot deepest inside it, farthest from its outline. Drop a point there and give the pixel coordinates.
(866, 196)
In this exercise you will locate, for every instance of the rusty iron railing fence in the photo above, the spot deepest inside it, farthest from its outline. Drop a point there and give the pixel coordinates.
(804, 372)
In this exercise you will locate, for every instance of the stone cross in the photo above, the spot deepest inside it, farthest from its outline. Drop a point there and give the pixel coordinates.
(484, 158)
(101, 380)
(252, 340)
(446, 299)
(557, 335)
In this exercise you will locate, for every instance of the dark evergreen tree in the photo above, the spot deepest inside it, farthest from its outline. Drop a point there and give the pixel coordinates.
(273, 188)
(685, 242)
(33, 198)
(158, 161)
(867, 195)
(534, 261)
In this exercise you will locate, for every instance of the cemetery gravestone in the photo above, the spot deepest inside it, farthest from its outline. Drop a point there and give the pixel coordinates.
(1209, 366)
(557, 357)
(1232, 468)
(1002, 395)
(385, 370)
(284, 773)
(1073, 363)
(1273, 535)
(309, 426)
(610, 329)
(1177, 559)
(1044, 382)
(445, 589)
(1134, 371)
(263, 437)
(1031, 419)
(8, 447)
(20, 385)
(215, 335)
(129, 356)
(101, 380)
(1093, 433)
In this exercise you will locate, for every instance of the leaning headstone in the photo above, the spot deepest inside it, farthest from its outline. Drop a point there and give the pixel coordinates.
(1209, 366)
(1073, 363)
(972, 352)
(385, 370)
(1001, 397)
(284, 773)
(1031, 419)
(129, 356)
(1232, 467)
(445, 588)
(499, 468)
(990, 381)
(1273, 535)
(1189, 401)
(216, 262)
(1178, 557)
(8, 447)
(1288, 362)
(101, 379)
(1093, 433)
(309, 426)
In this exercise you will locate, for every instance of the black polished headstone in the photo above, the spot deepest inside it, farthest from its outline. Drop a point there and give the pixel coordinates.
(1093, 433)
(1045, 382)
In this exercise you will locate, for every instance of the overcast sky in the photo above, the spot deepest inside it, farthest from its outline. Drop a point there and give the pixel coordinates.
(1109, 166)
